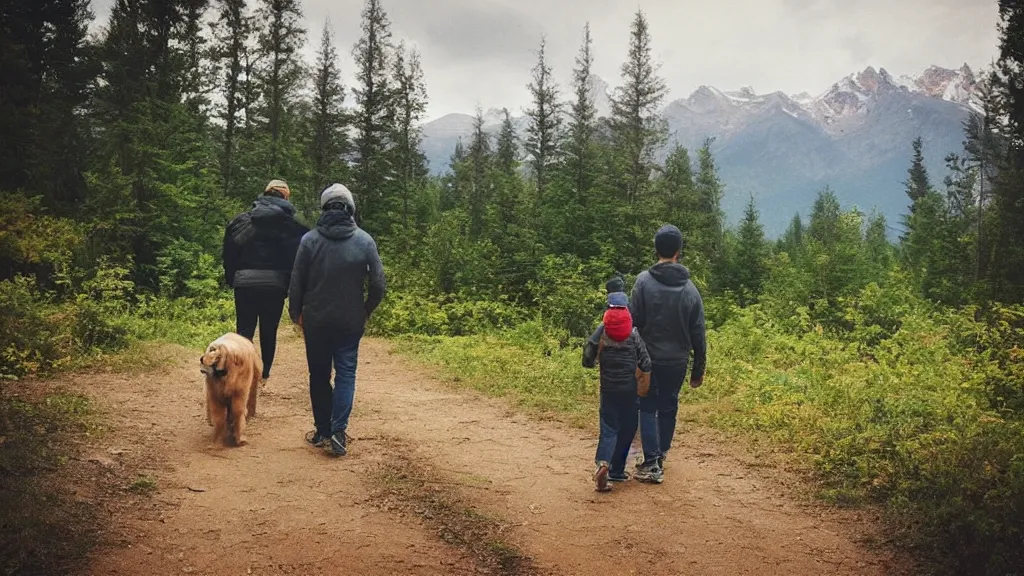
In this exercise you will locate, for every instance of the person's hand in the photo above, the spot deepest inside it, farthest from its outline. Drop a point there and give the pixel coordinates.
(299, 321)
(696, 382)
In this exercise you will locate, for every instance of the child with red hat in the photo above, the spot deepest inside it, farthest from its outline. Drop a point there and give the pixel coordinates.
(617, 347)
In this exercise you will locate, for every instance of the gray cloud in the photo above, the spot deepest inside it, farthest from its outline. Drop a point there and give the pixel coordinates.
(479, 52)
(461, 31)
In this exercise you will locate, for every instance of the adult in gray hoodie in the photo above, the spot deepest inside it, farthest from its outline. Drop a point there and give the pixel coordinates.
(330, 300)
(668, 311)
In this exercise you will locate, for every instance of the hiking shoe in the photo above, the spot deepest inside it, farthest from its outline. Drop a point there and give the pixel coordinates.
(618, 476)
(339, 444)
(652, 474)
(316, 439)
(601, 477)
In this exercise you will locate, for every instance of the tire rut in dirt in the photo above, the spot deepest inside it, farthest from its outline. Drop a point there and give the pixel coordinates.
(409, 487)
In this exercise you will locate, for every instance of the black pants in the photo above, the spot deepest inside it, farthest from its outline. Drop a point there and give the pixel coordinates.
(254, 305)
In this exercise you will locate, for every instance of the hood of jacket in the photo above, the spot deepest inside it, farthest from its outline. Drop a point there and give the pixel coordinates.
(336, 224)
(270, 210)
(670, 273)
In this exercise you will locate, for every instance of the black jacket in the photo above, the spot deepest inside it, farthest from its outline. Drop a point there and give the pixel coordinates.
(668, 310)
(260, 245)
(333, 265)
(619, 360)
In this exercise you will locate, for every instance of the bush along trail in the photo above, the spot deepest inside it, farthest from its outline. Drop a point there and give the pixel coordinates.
(439, 480)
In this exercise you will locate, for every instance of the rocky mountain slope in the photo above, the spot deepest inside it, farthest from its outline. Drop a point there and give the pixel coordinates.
(855, 137)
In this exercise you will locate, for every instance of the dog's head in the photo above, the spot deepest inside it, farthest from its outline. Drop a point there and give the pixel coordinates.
(214, 362)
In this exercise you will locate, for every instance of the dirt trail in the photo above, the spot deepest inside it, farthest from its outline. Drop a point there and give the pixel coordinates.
(279, 507)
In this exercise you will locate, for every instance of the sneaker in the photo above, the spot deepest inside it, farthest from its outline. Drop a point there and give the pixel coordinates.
(339, 444)
(652, 474)
(601, 477)
(316, 439)
(618, 476)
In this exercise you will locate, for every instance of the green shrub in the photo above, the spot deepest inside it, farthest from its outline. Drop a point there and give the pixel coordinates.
(35, 335)
(413, 312)
(567, 299)
(894, 412)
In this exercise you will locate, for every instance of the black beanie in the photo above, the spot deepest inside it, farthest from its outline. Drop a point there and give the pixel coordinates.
(668, 240)
(616, 284)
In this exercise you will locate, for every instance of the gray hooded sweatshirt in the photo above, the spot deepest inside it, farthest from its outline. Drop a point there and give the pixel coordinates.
(335, 263)
(668, 311)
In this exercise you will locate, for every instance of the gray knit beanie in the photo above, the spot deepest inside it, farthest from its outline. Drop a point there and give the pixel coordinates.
(336, 192)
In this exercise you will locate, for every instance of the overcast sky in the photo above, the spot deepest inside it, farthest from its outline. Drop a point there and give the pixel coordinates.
(479, 52)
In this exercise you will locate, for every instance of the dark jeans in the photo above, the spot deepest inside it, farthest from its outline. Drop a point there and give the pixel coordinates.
(332, 407)
(658, 410)
(254, 305)
(618, 416)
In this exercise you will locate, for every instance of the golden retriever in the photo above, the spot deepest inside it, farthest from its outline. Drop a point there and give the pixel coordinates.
(233, 369)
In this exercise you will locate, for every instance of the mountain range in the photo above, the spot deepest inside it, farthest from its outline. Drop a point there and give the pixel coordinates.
(783, 149)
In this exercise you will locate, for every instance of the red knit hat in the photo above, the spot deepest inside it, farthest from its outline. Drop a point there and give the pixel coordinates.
(618, 324)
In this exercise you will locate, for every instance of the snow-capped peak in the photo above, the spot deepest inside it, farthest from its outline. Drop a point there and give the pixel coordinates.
(952, 85)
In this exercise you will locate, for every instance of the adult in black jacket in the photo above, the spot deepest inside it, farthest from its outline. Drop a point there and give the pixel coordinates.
(329, 299)
(259, 252)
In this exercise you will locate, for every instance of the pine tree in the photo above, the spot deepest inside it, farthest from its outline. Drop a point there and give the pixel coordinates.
(48, 68)
(833, 249)
(1006, 272)
(508, 192)
(479, 159)
(677, 190)
(580, 163)
(879, 250)
(793, 238)
(923, 223)
(330, 141)
(637, 128)
(197, 71)
(506, 157)
(373, 114)
(281, 38)
(543, 134)
(231, 31)
(409, 162)
(978, 169)
(455, 191)
(707, 212)
(751, 260)
(139, 91)
(918, 183)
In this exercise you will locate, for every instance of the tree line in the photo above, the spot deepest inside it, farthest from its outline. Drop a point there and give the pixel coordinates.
(135, 146)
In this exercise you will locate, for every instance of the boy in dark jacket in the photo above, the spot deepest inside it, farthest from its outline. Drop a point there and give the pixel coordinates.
(619, 350)
(259, 252)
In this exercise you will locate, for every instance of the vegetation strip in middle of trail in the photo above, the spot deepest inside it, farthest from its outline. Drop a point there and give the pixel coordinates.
(410, 487)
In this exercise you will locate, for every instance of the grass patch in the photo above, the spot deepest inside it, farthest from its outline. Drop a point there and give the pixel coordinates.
(523, 366)
(409, 488)
(143, 485)
(42, 529)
